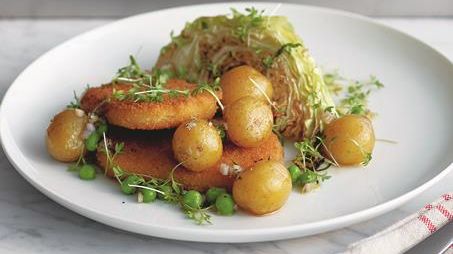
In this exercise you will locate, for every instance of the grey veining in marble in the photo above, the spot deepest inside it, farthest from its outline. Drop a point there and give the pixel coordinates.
(32, 223)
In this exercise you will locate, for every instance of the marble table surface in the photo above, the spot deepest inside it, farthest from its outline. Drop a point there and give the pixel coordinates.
(32, 223)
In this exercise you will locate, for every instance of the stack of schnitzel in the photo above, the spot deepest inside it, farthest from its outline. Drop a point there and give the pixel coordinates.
(146, 129)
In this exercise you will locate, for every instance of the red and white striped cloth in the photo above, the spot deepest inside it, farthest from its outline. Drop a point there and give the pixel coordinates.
(408, 232)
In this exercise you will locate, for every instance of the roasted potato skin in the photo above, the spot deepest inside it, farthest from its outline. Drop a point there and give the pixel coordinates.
(249, 121)
(197, 145)
(349, 139)
(64, 135)
(262, 189)
(243, 81)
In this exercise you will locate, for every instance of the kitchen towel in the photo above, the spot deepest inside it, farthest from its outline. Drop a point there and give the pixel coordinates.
(409, 231)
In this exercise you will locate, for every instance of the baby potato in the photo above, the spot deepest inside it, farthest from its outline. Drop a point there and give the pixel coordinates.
(244, 81)
(64, 135)
(197, 145)
(249, 121)
(349, 139)
(262, 189)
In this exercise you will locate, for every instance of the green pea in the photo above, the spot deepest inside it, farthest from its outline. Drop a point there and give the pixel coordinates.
(294, 172)
(102, 128)
(193, 199)
(91, 143)
(148, 195)
(213, 193)
(132, 179)
(87, 172)
(224, 204)
(166, 189)
(308, 177)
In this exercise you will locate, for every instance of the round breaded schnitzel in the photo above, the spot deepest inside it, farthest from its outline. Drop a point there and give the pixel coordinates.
(150, 154)
(169, 113)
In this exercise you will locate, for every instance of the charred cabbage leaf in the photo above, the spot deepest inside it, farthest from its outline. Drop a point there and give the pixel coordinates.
(210, 46)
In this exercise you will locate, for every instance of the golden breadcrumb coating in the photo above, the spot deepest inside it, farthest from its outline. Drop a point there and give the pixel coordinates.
(169, 113)
(150, 154)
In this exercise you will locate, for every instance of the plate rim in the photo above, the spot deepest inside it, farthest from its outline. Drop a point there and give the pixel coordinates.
(198, 234)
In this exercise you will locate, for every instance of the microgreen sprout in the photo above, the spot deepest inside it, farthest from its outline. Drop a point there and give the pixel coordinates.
(257, 86)
(268, 61)
(211, 88)
(276, 131)
(367, 158)
(147, 87)
(311, 162)
(80, 162)
(355, 98)
(366, 155)
(75, 103)
(309, 155)
(221, 129)
(214, 70)
(309, 176)
(110, 157)
(252, 19)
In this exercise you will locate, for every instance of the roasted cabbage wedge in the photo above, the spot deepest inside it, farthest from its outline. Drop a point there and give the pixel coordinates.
(210, 46)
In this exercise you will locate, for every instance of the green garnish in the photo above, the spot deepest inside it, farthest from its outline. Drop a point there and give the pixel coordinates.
(91, 142)
(147, 87)
(117, 171)
(214, 70)
(268, 61)
(309, 162)
(221, 129)
(367, 156)
(87, 172)
(75, 103)
(175, 39)
(78, 165)
(285, 48)
(147, 195)
(252, 19)
(193, 199)
(102, 128)
(211, 88)
(167, 190)
(213, 193)
(309, 156)
(166, 193)
(367, 159)
(309, 176)
(224, 204)
(128, 184)
(295, 173)
(355, 99)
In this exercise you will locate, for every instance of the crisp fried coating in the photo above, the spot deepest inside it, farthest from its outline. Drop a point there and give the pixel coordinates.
(169, 113)
(150, 154)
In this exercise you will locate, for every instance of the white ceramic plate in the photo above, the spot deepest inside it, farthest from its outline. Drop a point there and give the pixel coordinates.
(415, 109)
